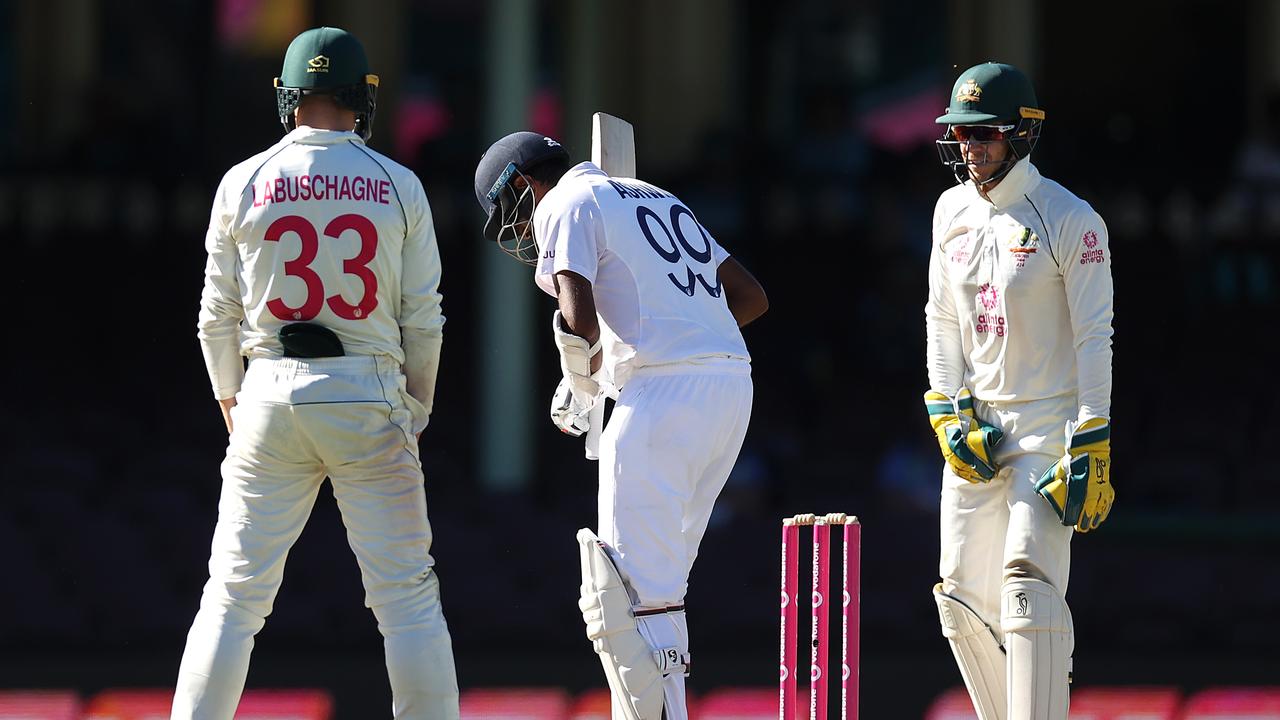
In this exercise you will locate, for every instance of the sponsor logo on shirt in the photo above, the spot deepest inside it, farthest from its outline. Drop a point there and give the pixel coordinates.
(990, 321)
(989, 296)
(963, 243)
(1092, 253)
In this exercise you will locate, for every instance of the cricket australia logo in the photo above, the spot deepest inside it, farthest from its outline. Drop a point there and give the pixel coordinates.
(969, 92)
(318, 64)
(1024, 244)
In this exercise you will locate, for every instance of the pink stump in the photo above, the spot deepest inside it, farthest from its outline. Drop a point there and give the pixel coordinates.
(852, 552)
(821, 590)
(790, 620)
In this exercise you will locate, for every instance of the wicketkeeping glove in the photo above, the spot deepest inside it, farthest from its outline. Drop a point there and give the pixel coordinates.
(967, 443)
(1078, 486)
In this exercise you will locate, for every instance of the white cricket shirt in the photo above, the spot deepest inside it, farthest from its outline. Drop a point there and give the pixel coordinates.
(1020, 294)
(652, 267)
(318, 228)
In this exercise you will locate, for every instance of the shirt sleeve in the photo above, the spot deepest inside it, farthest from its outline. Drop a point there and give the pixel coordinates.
(571, 237)
(1085, 265)
(718, 253)
(420, 298)
(221, 309)
(421, 316)
(944, 351)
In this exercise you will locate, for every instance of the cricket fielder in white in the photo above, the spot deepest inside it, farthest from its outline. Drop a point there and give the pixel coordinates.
(323, 270)
(1019, 350)
(630, 264)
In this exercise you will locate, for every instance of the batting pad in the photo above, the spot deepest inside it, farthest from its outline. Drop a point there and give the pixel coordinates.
(634, 677)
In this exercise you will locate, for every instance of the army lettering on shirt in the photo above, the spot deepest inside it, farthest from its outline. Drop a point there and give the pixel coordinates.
(321, 187)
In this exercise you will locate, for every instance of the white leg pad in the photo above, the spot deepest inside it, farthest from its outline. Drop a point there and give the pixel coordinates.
(1039, 640)
(979, 655)
(633, 667)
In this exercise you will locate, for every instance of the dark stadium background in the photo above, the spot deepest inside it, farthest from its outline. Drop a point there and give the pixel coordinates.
(801, 134)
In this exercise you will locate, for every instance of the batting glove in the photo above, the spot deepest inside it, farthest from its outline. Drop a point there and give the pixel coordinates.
(967, 443)
(1078, 487)
(567, 412)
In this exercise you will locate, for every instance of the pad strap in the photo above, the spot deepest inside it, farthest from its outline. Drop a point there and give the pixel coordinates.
(646, 612)
(670, 660)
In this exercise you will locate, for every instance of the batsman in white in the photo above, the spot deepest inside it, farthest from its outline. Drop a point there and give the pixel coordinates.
(1019, 348)
(635, 272)
(323, 270)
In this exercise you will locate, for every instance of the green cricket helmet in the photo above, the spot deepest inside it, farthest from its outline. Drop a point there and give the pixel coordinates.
(991, 103)
(328, 61)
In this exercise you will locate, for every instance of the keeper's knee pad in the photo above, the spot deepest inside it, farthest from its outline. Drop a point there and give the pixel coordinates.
(978, 654)
(1039, 640)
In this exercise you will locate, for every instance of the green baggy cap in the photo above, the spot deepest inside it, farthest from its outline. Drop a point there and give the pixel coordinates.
(989, 93)
(324, 58)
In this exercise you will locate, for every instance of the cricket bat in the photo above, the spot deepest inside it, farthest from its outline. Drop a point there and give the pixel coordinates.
(613, 145)
(613, 150)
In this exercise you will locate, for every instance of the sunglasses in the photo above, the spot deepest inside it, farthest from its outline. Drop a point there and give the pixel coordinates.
(981, 133)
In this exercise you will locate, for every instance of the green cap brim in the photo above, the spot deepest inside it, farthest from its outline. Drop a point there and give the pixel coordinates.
(953, 118)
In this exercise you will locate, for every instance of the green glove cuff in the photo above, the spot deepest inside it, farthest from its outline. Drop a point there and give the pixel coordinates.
(1077, 486)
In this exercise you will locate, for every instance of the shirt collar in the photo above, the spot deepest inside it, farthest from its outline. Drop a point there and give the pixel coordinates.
(1021, 179)
(584, 168)
(314, 136)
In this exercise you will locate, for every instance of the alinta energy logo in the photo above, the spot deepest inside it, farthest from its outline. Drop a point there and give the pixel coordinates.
(990, 321)
(989, 296)
(1092, 253)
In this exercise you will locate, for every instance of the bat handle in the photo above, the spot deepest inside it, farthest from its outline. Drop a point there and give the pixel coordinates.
(595, 416)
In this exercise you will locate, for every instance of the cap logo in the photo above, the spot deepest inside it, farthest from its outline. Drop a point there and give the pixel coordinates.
(318, 64)
(969, 92)
(551, 143)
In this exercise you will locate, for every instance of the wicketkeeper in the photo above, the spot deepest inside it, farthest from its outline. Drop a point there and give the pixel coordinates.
(1019, 357)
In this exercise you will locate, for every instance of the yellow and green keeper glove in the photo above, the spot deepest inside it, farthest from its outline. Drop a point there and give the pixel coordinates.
(967, 443)
(1078, 486)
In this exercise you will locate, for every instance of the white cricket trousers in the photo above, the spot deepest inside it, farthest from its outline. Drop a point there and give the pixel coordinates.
(1004, 529)
(296, 422)
(670, 444)
(1003, 544)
